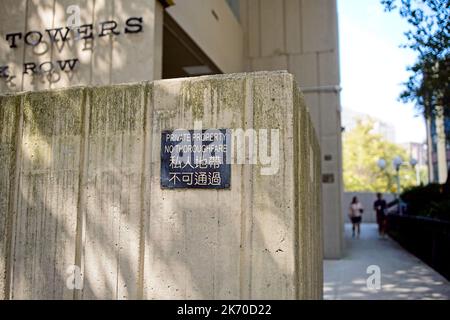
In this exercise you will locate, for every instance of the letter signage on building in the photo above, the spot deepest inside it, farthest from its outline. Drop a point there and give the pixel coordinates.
(59, 37)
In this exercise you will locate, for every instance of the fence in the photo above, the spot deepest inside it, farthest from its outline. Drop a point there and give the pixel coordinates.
(426, 238)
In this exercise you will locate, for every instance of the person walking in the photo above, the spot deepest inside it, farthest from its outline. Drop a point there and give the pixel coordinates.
(380, 207)
(355, 214)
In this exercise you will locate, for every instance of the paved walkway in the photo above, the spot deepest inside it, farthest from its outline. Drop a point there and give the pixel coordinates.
(403, 276)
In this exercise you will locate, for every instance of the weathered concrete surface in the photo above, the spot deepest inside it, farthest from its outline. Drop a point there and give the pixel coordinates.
(80, 186)
(8, 120)
(301, 38)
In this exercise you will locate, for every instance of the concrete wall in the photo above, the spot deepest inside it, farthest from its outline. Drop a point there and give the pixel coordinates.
(80, 185)
(301, 36)
(367, 199)
(295, 35)
(113, 59)
(104, 60)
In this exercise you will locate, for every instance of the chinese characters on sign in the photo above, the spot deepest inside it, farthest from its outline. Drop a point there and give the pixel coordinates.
(195, 159)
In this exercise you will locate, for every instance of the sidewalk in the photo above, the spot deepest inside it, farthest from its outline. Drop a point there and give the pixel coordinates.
(403, 276)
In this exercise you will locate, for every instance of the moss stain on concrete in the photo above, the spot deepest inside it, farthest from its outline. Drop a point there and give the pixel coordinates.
(117, 121)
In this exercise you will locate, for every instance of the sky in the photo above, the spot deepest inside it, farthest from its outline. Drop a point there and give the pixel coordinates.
(373, 66)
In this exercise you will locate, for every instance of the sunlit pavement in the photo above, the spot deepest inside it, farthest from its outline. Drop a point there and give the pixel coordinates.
(403, 276)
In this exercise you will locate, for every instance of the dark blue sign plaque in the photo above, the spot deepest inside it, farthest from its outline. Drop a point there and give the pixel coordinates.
(195, 159)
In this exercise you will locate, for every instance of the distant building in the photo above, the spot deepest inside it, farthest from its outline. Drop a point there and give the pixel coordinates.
(351, 117)
(417, 151)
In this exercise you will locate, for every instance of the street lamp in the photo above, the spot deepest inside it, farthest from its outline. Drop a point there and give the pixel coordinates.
(381, 163)
(397, 162)
(413, 163)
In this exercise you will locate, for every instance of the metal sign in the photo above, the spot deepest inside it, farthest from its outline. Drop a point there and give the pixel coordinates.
(195, 159)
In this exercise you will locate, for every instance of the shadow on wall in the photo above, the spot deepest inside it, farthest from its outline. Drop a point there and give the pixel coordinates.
(86, 193)
(42, 215)
(101, 60)
(82, 181)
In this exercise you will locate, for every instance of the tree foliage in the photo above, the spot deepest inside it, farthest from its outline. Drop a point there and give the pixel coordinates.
(429, 36)
(362, 148)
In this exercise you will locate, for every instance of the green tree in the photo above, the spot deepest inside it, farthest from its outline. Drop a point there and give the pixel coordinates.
(362, 148)
(429, 36)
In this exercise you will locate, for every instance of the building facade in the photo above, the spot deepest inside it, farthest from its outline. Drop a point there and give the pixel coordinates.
(417, 151)
(438, 145)
(50, 44)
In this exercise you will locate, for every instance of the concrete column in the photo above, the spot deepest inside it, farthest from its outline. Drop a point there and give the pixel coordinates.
(80, 177)
(431, 177)
(302, 38)
(441, 150)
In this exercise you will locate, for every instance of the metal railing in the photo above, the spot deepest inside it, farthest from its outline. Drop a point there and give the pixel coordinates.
(426, 238)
